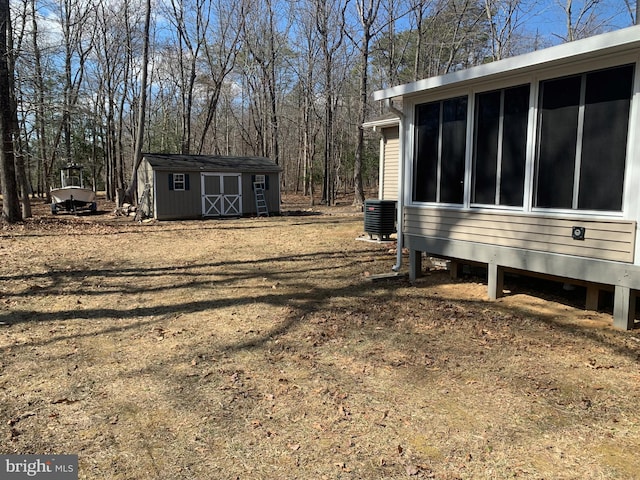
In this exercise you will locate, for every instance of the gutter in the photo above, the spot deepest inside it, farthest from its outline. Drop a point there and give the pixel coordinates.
(400, 206)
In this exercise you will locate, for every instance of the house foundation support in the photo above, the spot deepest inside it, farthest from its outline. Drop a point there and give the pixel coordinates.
(623, 278)
(415, 264)
(624, 307)
(495, 281)
(593, 298)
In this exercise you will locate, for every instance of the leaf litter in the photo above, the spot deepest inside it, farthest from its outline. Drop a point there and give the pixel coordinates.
(257, 348)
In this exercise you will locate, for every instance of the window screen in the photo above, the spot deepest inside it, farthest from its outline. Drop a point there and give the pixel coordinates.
(485, 165)
(560, 103)
(454, 132)
(440, 139)
(604, 142)
(514, 145)
(500, 142)
(427, 152)
(582, 140)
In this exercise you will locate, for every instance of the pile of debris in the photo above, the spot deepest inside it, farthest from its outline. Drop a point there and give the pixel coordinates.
(126, 210)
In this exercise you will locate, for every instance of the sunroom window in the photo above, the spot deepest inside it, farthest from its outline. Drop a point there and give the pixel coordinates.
(582, 140)
(500, 144)
(440, 143)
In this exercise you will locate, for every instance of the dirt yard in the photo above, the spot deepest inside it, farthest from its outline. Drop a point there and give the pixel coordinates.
(264, 349)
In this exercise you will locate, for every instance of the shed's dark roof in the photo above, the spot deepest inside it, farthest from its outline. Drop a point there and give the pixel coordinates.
(217, 163)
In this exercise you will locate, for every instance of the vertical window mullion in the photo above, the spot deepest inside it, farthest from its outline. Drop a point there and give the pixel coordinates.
(499, 153)
(578, 160)
(439, 170)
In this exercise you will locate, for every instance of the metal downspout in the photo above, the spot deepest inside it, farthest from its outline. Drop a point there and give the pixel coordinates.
(400, 207)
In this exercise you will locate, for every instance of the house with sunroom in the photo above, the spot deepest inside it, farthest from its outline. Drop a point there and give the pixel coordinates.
(529, 164)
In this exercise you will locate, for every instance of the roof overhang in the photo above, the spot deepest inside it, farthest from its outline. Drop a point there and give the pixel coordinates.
(619, 41)
(382, 123)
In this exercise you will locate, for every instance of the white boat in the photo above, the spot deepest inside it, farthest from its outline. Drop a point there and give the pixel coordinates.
(72, 196)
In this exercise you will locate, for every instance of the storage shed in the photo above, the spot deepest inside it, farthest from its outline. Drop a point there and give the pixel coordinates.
(203, 186)
(529, 164)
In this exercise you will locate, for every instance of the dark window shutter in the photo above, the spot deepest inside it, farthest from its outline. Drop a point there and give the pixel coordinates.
(171, 181)
(253, 180)
(186, 181)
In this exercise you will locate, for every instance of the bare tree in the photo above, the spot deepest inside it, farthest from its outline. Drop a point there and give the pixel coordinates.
(263, 44)
(329, 19)
(15, 40)
(306, 67)
(142, 103)
(367, 16)
(220, 52)
(114, 56)
(505, 19)
(633, 12)
(77, 44)
(191, 22)
(582, 19)
(10, 204)
(39, 90)
(395, 46)
(419, 11)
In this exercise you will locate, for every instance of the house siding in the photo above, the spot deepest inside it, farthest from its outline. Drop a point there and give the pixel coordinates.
(391, 154)
(612, 240)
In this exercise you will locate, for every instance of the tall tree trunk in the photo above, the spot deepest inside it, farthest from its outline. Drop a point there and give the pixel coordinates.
(569, 20)
(19, 153)
(329, 45)
(10, 203)
(368, 12)
(68, 82)
(271, 83)
(419, 39)
(43, 182)
(142, 106)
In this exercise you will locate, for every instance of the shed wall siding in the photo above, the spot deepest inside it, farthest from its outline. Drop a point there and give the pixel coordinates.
(390, 164)
(611, 240)
(272, 194)
(171, 204)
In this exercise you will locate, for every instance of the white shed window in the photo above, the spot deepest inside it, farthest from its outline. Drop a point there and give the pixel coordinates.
(178, 181)
(582, 140)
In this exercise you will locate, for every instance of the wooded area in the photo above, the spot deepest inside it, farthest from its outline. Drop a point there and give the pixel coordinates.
(98, 82)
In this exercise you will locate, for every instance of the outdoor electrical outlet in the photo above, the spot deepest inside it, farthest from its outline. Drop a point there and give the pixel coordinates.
(577, 233)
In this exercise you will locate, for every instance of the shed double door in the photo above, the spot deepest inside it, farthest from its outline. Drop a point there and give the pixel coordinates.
(221, 194)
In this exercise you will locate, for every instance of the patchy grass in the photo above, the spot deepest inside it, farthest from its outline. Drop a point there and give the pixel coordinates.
(260, 348)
